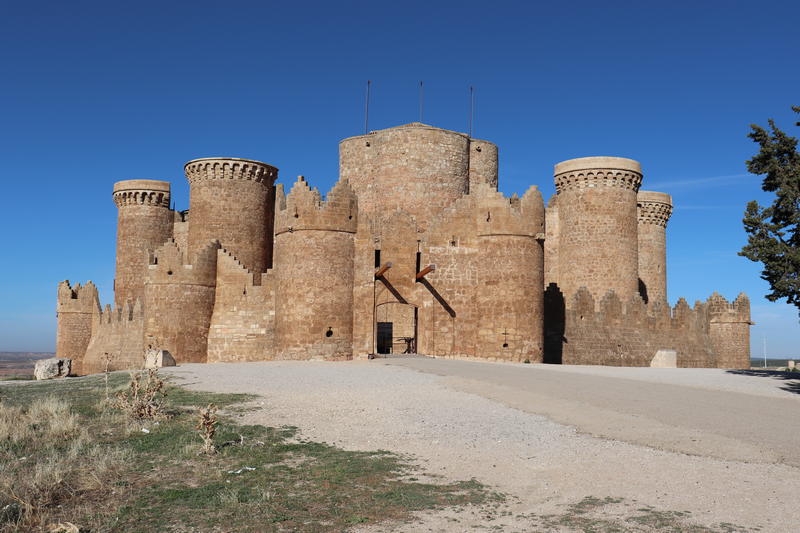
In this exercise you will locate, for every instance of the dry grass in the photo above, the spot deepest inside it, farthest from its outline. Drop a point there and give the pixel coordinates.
(46, 459)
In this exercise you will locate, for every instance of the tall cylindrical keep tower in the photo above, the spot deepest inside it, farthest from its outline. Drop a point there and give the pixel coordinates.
(654, 210)
(483, 167)
(315, 247)
(233, 201)
(144, 223)
(598, 244)
(417, 168)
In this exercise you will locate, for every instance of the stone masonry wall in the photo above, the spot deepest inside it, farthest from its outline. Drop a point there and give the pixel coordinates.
(551, 242)
(179, 301)
(611, 333)
(144, 223)
(243, 323)
(730, 330)
(416, 168)
(75, 309)
(117, 341)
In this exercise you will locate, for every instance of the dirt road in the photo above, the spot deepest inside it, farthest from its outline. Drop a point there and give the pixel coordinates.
(573, 448)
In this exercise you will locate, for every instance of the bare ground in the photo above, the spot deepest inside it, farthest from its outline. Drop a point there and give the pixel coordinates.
(574, 448)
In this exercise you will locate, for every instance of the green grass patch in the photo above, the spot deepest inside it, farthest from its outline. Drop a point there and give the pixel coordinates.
(122, 478)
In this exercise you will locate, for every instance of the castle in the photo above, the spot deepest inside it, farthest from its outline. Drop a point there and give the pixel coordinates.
(414, 250)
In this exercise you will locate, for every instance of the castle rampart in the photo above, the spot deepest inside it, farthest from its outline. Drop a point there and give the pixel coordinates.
(232, 200)
(144, 222)
(117, 341)
(654, 210)
(243, 323)
(174, 286)
(598, 243)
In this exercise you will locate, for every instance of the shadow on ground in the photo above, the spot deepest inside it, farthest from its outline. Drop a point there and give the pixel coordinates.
(792, 379)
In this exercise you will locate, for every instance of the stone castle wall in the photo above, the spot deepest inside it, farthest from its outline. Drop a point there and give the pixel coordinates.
(611, 332)
(76, 308)
(179, 301)
(117, 341)
(243, 322)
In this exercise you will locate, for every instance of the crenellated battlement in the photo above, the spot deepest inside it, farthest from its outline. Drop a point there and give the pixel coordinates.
(304, 209)
(589, 172)
(128, 312)
(168, 265)
(229, 168)
(77, 299)
(720, 310)
(497, 214)
(152, 193)
(653, 208)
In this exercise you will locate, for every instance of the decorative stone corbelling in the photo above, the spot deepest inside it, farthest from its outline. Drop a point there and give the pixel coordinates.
(220, 168)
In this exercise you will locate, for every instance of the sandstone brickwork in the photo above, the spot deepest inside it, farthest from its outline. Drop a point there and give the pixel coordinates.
(414, 250)
(232, 201)
(76, 308)
(144, 222)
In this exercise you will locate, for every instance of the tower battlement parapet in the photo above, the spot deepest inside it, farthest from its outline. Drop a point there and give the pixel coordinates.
(589, 172)
(654, 207)
(142, 192)
(497, 214)
(304, 209)
(77, 299)
(169, 265)
(229, 168)
(721, 310)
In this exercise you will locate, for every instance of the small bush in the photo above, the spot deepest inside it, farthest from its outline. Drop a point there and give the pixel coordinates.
(144, 398)
(207, 426)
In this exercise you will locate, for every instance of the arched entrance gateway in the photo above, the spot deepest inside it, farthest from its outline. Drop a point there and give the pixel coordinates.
(396, 328)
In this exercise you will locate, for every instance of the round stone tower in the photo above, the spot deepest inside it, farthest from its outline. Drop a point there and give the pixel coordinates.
(144, 223)
(598, 243)
(654, 209)
(315, 247)
(510, 295)
(417, 168)
(233, 201)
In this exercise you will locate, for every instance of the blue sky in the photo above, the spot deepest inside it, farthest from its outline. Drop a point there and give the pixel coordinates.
(95, 92)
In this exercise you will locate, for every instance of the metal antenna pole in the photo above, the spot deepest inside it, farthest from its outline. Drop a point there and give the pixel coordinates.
(366, 109)
(421, 101)
(471, 108)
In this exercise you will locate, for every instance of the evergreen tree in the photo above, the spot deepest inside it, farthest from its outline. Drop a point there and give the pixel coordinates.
(774, 231)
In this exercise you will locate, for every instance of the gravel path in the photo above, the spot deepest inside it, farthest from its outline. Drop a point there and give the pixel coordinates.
(459, 420)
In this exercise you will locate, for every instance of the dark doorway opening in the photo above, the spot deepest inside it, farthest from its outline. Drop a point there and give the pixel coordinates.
(385, 330)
